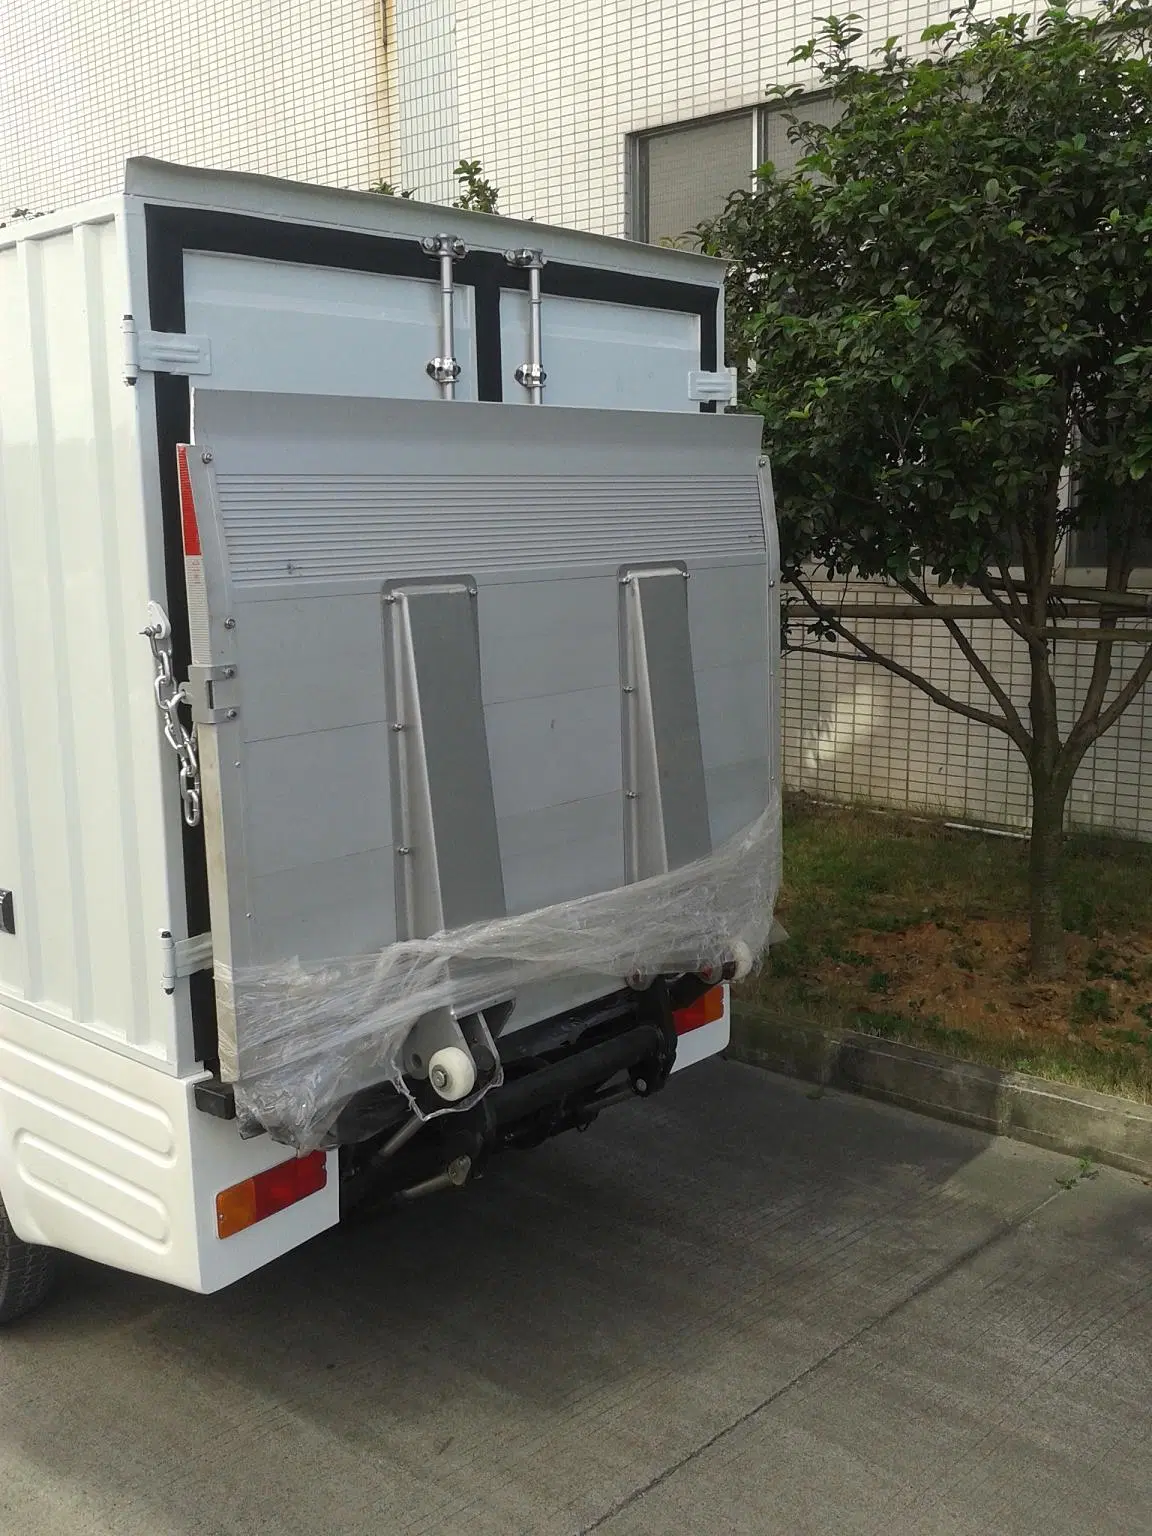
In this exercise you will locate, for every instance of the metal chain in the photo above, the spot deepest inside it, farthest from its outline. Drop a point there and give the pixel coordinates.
(169, 697)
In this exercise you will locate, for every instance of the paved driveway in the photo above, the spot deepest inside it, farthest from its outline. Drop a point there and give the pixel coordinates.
(735, 1309)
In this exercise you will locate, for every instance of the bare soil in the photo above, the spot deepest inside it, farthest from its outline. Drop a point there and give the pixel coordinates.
(972, 974)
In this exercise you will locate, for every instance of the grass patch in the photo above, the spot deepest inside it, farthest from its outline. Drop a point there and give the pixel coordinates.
(910, 931)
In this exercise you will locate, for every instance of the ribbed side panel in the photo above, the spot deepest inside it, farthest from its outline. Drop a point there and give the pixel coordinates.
(82, 830)
(367, 526)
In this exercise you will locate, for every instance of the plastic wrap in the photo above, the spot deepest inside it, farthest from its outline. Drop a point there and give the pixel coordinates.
(310, 1036)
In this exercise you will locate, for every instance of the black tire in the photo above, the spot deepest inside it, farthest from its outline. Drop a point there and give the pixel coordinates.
(26, 1272)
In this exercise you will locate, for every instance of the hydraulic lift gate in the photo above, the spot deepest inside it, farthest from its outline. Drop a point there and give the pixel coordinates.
(453, 660)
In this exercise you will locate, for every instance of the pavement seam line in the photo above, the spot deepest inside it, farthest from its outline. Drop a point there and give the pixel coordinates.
(922, 1288)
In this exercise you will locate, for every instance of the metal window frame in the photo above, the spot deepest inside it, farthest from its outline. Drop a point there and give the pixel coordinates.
(637, 165)
(636, 161)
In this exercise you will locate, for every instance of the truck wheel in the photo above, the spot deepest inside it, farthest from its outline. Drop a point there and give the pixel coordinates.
(26, 1272)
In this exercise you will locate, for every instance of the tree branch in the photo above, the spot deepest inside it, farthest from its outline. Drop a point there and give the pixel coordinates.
(937, 695)
(1013, 613)
(827, 655)
(1013, 723)
(1116, 576)
(1122, 700)
(1012, 590)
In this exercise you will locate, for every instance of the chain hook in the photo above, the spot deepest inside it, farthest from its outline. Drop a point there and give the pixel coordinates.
(169, 697)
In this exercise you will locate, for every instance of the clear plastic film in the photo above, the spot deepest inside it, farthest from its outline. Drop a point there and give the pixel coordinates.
(311, 1036)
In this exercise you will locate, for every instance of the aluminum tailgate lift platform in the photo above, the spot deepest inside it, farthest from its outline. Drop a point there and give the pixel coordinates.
(453, 662)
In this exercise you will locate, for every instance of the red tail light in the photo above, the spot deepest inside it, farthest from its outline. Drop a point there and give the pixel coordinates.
(244, 1204)
(705, 1010)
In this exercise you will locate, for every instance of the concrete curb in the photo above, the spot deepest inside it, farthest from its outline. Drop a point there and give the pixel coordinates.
(1078, 1121)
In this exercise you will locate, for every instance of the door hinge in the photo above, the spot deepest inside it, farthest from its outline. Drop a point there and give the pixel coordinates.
(183, 957)
(163, 352)
(720, 386)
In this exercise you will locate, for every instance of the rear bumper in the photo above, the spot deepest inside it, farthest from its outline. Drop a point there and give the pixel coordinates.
(115, 1160)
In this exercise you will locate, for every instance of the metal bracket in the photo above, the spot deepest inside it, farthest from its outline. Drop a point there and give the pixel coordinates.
(163, 352)
(720, 387)
(444, 245)
(444, 370)
(200, 692)
(183, 957)
(531, 376)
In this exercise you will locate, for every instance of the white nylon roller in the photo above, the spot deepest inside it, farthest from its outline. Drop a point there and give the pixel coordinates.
(452, 1073)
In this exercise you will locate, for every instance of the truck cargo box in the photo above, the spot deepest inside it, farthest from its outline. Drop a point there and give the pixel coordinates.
(454, 578)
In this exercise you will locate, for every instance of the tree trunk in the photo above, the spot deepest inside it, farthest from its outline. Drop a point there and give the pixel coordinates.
(1045, 910)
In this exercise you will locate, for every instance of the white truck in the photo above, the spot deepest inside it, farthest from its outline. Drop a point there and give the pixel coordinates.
(388, 769)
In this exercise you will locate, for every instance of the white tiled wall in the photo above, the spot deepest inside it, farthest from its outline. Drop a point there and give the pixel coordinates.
(289, 87)
(546, 91)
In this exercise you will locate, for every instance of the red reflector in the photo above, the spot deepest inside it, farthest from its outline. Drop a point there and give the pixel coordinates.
(187, 505)
(265, 1193)
(705, 1010)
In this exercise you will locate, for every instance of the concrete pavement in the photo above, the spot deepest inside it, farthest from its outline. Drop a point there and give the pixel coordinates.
(736, 1309)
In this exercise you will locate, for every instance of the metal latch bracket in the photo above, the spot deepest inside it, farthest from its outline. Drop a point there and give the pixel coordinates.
(202, 694)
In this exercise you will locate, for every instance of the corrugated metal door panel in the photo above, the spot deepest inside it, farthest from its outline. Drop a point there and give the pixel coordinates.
(86, 797)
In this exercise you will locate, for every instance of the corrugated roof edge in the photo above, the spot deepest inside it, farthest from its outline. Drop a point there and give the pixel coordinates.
(272, 197)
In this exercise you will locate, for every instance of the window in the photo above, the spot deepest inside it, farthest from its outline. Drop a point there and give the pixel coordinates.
(684, 173)
(1087, 550)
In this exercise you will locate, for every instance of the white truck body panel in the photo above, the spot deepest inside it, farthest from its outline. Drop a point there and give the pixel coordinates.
(89, 838)
(102, 1150)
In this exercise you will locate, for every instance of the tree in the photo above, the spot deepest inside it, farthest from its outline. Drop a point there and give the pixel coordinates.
(476, 192)
(945, 318)
(21, 215)
(384, 188)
